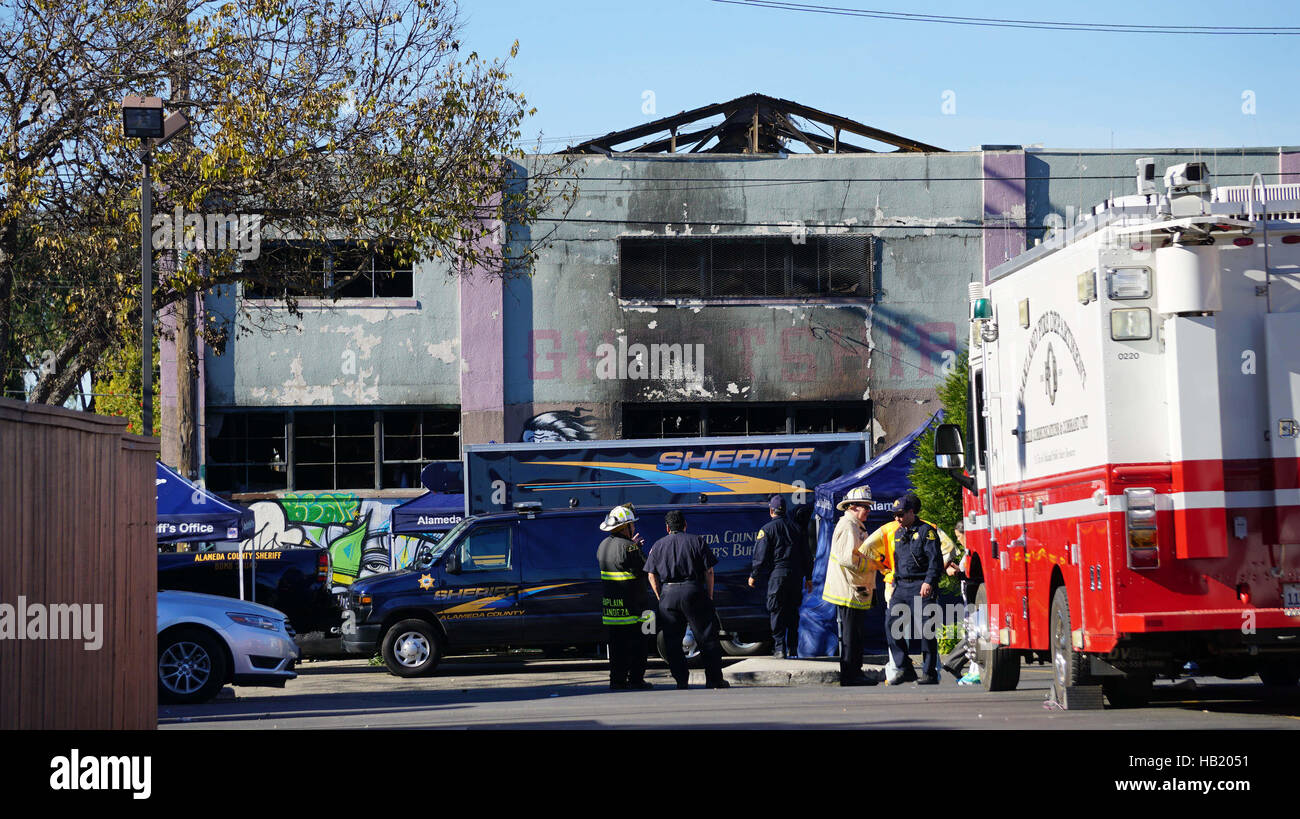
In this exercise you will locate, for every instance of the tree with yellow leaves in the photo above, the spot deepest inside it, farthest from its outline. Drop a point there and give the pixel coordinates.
(317, 120)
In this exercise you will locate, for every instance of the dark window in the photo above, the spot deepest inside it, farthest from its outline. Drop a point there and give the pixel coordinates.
(688, 420)
(833, 418)
(331, 449)
(746, 267)
(660, 422)
(412, 439)
(342, 270)
(247, 452)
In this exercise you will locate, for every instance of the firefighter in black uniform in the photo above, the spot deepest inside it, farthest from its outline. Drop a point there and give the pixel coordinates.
(917, 562)
(681, 575)
(781, 549)
(622, 573)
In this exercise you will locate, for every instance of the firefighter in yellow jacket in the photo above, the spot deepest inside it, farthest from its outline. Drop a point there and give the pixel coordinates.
(850, 583)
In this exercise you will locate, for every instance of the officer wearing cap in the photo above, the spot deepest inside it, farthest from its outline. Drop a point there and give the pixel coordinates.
(780, 549)
(681, 574)
(622, 573)
(912, 554)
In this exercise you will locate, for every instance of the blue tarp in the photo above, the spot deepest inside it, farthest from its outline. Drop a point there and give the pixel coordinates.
(888, 475)
(431, 512)
(188, 513)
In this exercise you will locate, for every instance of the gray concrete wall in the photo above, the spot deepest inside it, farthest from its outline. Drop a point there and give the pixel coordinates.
(347, 353)
(507, 351)
(892, 350)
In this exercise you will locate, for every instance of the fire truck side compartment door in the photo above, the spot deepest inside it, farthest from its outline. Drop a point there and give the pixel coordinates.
(1282, 332)
(1096, 580)
(1195, 436)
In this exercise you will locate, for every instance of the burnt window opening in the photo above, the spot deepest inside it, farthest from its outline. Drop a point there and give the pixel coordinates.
(341, 270)
(313, 450)
(729, 267)
(696, 420)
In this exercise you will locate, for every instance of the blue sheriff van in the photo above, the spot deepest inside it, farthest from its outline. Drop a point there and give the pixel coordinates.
(529, 579)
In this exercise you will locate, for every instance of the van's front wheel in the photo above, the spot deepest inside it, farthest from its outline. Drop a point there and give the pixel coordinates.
(412, 648)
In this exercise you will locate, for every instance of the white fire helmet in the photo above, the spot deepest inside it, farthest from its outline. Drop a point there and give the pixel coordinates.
(618, 516)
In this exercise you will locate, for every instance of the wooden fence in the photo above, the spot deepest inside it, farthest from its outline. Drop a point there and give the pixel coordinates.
(77, 527)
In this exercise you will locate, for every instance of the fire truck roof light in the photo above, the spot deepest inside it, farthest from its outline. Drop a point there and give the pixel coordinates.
(981, 309)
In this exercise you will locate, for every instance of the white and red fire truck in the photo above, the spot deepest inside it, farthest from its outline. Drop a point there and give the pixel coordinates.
(1134, 449)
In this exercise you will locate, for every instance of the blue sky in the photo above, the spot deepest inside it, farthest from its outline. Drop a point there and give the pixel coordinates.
(586, 66)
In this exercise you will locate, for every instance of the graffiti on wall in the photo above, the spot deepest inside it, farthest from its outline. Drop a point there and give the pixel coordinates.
(559, 426)
(355, 530)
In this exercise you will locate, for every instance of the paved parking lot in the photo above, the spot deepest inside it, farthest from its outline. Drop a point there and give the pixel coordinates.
(517, 692)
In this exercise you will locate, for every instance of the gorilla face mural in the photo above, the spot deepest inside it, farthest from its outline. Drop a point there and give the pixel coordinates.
(560, 426)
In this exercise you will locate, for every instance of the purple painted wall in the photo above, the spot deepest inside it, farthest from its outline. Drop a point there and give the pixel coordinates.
(167, 389)
(482, 348)
(1288, 165)
(1004, 207)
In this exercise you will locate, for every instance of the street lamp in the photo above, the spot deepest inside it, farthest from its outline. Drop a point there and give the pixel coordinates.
(142, 118)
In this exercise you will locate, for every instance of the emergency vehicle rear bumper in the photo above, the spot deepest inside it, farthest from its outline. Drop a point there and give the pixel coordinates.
(1216, 620)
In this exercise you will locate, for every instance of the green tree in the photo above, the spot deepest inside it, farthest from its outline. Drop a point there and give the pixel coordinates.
(940, 495)
(361, 120)
(117, 385)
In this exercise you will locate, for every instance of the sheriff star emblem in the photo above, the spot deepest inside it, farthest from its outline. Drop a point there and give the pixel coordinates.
(426, 582)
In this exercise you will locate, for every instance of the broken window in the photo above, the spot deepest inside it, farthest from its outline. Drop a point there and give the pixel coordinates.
(759, 268)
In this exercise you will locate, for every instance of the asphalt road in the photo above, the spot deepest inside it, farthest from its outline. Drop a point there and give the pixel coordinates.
(505, 692)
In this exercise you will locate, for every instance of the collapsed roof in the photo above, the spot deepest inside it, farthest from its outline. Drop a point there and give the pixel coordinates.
(753, 124)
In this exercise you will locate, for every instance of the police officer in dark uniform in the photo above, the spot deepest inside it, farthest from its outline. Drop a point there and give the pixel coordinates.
(681, 575)
(780, 549)
(917, 561)
(624, 600)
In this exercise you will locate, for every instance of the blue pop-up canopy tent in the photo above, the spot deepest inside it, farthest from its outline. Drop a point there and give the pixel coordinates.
(889, 476)
(188, 513)
(429, 513)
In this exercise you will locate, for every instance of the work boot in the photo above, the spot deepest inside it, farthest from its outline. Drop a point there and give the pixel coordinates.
(719, 684)
(928, 680)
(639, 685)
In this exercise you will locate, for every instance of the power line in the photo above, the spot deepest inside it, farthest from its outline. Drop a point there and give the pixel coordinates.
(996, 22)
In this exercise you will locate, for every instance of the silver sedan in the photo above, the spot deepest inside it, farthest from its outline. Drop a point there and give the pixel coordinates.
(206, 641)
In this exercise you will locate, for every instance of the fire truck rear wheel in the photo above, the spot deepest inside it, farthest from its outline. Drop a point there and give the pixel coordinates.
(999, 667)
(1069, 667)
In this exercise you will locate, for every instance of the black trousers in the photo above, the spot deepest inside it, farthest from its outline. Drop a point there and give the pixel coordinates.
(688, 603)
(784, 595)
(852, 633)
(908, 621)
(627, 652)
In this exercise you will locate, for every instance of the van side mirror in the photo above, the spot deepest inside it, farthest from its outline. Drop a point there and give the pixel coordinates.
(949, 454)
(453, 561)
(424, 556)
(948, 448)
